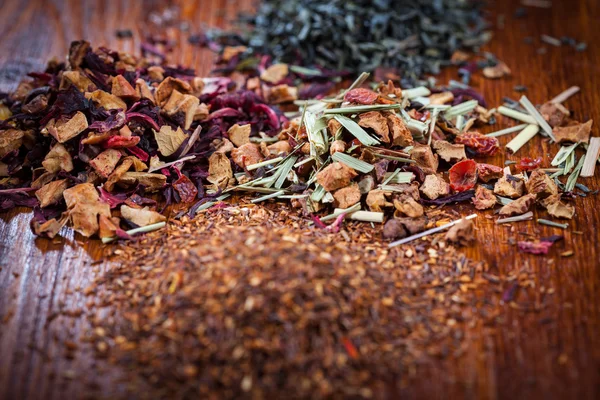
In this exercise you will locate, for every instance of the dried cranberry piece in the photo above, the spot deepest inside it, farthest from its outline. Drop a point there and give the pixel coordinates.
(481, 144)
(529, 164)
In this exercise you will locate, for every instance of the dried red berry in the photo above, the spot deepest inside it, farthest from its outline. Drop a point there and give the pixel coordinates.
(186, 189)
(481, 144)
(361, 96)
(463, 175)
(529, 164)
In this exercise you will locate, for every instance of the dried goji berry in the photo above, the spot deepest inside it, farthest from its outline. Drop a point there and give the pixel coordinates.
(361, 96)
(463, 175)
(528, 164)
(479, 143)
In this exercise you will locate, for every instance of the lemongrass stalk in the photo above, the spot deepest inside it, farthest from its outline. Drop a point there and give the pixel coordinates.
(357, 131)
(300, 163)
(141, 229)
(523, 217)
(509, 112)
(460, 109)
(352, 162)
(552, 223)
(293, 196)
(537, 116)
(252, 167)
(264, 139)
(267, 197)
(285, 170)
(363, 216)
(518, 141)
(591, 156)
(361, 109)
(562, 97)
(429, 232)
(562, 154)
(507, 130)
(339, 211)
(415, 92)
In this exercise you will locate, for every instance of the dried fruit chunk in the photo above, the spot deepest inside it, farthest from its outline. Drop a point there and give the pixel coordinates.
(484, 198)
(106, 100)
(361, 96)
(488, 172)
(181, 108)
(63, 130)
(449, 152)
(123, 89)
(10, 140)
(347, 196)
(408, 206)
(509, 187)
(557, 208)
(335, 176)
(281, 94)
(434, 186)
(425, 158)
(141, 216)
(239, 134)
(401, 135)
(166, 87)
(541, 184)
(554, 113)
(275, 73)
(481, 144)
(463, 175)
(461, 233)
(51, 193)
(377, 199)
(441, 98)
(151, 182)
(247, 154)
(105, 163)
(498, 71)
(519, 206)
(186, 189)
(376, 121)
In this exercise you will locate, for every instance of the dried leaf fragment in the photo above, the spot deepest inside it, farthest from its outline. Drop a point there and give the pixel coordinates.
(169, 140)
(84, 207)
(578, 133)
(519, 206)
(141, 216)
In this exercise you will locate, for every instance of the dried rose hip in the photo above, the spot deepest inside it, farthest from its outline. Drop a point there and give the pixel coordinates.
(463, 175)
(361, 96)
(528, 164)
(481, 144)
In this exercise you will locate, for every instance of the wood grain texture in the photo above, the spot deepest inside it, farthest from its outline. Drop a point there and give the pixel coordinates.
(548, 346)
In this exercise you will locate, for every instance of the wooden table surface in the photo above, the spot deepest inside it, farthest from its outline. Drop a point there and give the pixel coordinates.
(550, 347)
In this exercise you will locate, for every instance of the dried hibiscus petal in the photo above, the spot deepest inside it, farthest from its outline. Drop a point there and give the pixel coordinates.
(361, 96)
(117, 142)
(528, 164)
(463, 175)
(481, 144)
(534, 247)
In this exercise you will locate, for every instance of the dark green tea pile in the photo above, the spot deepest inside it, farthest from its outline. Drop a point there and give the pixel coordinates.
(413, 37)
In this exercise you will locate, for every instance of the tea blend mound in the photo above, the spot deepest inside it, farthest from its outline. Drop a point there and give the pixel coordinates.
(413, 38)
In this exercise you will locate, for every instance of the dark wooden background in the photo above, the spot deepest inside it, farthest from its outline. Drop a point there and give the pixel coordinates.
(552, 351)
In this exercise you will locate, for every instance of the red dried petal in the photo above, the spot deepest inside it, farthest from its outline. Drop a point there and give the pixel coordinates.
(463, 175)
(186, 189)
(481, 144)
(361, 96)
(529, 164)
(534, 247)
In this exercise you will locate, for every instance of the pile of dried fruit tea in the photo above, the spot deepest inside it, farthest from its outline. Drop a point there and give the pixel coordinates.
(105, 130)
(247, 299)
(410, 38)
(97, 135)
